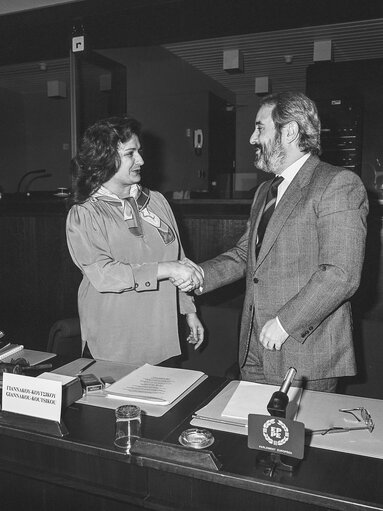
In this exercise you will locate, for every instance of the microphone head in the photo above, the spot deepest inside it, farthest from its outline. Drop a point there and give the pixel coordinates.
(288, 380)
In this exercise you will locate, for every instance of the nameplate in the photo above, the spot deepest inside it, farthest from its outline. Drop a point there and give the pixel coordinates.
(276, 435)
(31, 396)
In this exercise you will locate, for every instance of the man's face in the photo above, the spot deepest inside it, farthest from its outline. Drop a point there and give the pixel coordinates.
(269, 151)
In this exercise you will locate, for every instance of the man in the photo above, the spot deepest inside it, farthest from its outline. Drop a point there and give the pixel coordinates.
(300, 276)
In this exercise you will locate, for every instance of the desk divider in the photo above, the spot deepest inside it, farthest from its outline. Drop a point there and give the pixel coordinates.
(34, 424)
(175, 453)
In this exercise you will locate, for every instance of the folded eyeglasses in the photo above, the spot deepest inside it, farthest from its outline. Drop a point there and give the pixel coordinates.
(361, 414)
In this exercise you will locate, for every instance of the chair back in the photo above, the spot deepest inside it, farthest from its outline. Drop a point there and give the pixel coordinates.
(65, 338)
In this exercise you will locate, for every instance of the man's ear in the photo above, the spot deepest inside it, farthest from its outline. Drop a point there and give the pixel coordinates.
(291, 132)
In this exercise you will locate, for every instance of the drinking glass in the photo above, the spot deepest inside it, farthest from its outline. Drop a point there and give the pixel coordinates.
(128, 426)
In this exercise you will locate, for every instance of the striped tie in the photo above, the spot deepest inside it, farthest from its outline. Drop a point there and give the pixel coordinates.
(271, 199)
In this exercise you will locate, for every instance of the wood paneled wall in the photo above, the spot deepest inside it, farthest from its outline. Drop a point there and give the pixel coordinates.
(39, 282)
(38, 279)
(207, 230)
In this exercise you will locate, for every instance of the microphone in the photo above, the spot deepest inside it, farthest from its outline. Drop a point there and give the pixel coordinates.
(289, 377)
(279, 400)
(38, 171)
(34, 179)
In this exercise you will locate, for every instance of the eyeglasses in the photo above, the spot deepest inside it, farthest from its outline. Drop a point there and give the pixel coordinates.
(361, 414)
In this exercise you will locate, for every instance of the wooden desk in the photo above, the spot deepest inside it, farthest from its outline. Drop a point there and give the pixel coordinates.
(84, 470)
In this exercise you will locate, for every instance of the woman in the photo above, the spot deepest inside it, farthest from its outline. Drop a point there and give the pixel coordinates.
(125, 240)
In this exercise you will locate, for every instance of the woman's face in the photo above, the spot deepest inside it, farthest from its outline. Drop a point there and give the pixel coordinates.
(129, 172)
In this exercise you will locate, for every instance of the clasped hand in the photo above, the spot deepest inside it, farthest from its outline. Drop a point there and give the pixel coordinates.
(187, 275)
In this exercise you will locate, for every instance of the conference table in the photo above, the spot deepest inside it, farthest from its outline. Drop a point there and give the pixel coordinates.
(84, 470)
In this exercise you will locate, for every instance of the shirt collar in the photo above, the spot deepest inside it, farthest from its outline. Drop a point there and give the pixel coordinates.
(104, 192)
(291, 171)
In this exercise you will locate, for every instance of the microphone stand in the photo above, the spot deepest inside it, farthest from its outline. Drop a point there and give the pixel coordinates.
(277, 407)
(27, 192)
(38, 171)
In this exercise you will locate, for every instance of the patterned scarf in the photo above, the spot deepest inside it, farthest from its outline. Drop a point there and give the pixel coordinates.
(135, 208)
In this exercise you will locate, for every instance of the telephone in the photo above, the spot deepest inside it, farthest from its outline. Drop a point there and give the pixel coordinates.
(198, 142)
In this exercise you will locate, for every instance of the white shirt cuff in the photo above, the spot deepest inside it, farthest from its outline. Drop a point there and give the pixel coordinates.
(200, 289)
(280, 326)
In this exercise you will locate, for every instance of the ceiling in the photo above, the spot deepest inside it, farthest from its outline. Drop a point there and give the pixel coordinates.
(264, 53)
(9, 6)
(197, 31)
(45, 32)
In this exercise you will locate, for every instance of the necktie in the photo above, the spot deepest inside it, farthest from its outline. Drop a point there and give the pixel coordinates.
(271, 199)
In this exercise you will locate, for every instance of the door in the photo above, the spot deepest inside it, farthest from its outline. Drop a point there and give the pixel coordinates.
(98, 90)
(221, 146)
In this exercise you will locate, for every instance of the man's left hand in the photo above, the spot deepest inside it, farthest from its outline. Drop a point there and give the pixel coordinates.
(272, 336)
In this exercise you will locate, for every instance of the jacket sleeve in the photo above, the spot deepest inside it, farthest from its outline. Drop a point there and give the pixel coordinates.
(90, 251)
(185, 300)
(341, 230)
(231, 265)
(227, 267)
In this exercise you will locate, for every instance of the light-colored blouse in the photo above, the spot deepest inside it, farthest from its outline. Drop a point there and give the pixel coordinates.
(126, 315)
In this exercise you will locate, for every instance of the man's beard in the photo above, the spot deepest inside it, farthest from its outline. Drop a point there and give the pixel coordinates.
(270, 156)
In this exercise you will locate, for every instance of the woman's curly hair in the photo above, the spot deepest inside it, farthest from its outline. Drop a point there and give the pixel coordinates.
(97, 159)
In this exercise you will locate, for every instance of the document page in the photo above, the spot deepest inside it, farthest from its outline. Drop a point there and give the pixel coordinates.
(252, 397)
(154, 384)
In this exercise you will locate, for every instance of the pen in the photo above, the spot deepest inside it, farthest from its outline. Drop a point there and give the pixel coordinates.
(86, 367)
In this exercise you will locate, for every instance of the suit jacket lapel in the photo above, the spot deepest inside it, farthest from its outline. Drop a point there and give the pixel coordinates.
(287, 204)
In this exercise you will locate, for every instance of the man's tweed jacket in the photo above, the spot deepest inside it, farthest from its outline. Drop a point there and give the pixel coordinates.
(308, 267)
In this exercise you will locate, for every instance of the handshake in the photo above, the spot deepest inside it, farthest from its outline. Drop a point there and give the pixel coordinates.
(187, 275)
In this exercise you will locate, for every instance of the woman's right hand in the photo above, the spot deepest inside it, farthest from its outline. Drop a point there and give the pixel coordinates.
(181, 274)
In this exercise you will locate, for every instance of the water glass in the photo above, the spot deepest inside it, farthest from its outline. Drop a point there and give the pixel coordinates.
(128, 426)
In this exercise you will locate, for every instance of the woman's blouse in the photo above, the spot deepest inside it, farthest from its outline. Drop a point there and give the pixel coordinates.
(126, 315)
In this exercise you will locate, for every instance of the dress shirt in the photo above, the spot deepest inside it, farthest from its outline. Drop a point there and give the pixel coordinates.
(289, 174)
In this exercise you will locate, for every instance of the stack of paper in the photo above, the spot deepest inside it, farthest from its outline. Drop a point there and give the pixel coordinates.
(9, 349)
(229, 410)
(154, 384)
(252, 397)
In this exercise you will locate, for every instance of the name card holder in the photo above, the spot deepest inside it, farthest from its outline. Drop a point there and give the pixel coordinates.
(33, 424)
(32, 404)
(175, 453)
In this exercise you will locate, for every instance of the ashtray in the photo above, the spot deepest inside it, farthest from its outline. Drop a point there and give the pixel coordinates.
(196, 438)
(62, 194)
